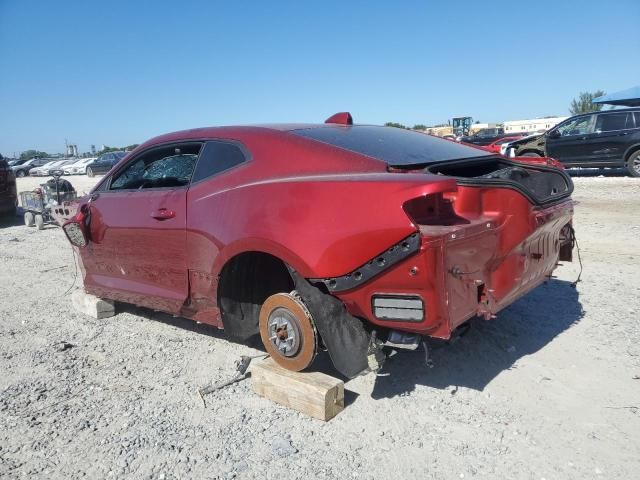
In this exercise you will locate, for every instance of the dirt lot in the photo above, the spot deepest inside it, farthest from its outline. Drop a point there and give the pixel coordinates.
(551, 389)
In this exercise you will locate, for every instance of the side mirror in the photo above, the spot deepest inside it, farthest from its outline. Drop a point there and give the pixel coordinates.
(554, 134)
(76, 230)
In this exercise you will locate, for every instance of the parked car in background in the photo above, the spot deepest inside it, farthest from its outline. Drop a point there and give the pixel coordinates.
(104, 163)
(8, 190)
(494, 146)
(79, 167)
(484, 136)
(43, 170)
(23, 169)
(598, 139)
(354, 237)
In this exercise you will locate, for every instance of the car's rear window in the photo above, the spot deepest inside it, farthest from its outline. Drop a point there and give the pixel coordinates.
(395, 146)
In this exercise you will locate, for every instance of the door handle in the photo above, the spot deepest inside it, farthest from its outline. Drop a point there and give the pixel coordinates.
(163, 214)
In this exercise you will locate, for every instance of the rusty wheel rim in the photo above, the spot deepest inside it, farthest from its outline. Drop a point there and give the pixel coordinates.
(288, 332)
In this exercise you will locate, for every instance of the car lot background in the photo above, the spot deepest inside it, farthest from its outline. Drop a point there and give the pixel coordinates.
(551, 389)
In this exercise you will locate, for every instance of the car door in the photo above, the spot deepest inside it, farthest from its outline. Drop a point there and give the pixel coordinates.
(103, 165)
(136, 253)
(571, 141)
(611, 139)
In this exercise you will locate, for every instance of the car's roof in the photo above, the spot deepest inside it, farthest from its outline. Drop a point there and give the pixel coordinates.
(615, 110)
(231, 131)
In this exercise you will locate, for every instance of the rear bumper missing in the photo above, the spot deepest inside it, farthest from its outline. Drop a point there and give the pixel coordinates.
(461, 271)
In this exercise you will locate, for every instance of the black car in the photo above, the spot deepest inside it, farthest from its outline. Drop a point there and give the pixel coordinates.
(484, 136)
(104, 163)
(22, 169)
(8, 192)
(597, 139)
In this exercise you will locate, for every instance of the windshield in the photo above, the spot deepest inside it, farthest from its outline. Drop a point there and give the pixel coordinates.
(395, 146)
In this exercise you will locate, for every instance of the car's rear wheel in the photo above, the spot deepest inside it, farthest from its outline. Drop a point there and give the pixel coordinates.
(29, 219)
(90, 172)
(633, 164)
(288, 332)
(39, 221)
(20, 173)
(529, 154)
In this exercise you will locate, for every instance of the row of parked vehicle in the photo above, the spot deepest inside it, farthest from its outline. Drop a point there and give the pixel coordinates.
(42, 167)
(592, 140)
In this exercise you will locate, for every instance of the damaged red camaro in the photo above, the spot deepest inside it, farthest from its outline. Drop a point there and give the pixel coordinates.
(350, 237)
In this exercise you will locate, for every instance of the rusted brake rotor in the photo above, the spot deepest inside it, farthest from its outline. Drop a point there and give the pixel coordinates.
(288, 332)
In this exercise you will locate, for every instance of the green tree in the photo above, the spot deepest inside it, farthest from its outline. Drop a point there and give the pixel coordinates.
(32, 153)
(419, 126)
(394, 124)
(584, 103)
(107, 149)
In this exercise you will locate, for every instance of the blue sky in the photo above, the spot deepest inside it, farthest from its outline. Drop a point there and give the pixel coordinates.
(118, 72)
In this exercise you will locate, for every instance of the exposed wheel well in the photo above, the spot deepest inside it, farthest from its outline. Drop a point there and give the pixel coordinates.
(246, 281)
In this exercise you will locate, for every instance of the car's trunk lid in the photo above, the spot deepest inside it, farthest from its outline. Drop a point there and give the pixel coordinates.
(542, 185)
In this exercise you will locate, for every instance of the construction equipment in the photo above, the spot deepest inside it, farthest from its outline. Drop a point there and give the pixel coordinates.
(461, 126)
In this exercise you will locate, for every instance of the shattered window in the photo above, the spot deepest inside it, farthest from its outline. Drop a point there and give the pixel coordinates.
(161, 168)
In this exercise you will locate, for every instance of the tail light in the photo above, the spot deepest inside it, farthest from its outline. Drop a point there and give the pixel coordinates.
(75, 229)
(432, 210)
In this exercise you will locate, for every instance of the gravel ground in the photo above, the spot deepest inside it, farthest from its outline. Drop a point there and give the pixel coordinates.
(550, 389)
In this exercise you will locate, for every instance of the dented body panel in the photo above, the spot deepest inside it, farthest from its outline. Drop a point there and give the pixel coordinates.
(328, 214)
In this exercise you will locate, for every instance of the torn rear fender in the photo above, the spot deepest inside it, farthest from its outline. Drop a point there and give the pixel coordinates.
(343, 334)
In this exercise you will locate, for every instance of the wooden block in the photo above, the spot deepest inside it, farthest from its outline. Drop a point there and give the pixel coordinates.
(312, 393)
(91, 305)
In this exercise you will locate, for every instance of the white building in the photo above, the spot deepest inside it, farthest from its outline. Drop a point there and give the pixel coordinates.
(533, 125)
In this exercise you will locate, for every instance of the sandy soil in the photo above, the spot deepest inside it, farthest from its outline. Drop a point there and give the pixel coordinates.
(550, 389)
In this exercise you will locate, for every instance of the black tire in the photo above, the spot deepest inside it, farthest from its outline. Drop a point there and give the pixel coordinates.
(530, 154)
(90, 172)
(633, 164)
(21, 173)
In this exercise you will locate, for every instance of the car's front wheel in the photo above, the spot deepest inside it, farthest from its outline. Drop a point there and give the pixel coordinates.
(90, 172)
(20, 173)
(530, 154)
(288, 332)
(633, 164)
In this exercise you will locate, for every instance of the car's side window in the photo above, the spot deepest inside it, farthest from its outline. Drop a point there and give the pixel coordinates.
(608, 122)
(578, 126)
(217, 157)
(163, 167)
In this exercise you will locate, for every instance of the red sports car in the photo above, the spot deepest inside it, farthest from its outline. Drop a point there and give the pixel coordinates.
(494, 147)
(353, 237)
